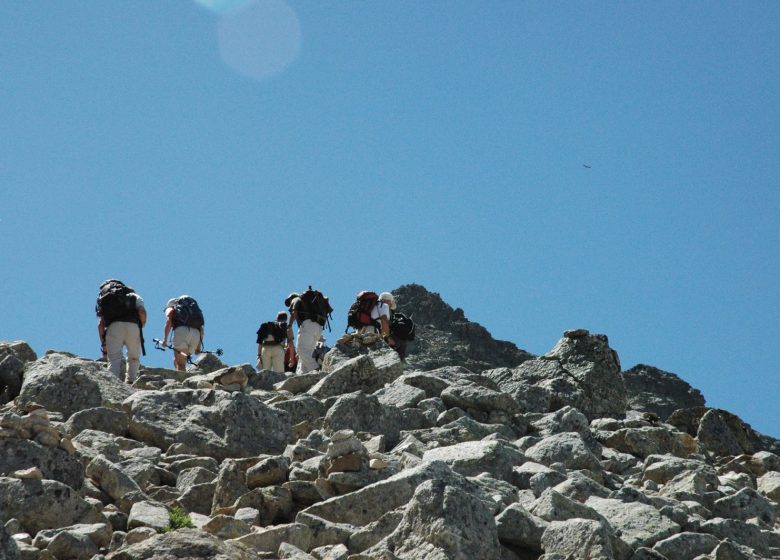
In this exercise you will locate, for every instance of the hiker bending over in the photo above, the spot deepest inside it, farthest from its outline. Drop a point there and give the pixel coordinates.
(271, 337)
(183, 315)
(310, 311)
(122, 317)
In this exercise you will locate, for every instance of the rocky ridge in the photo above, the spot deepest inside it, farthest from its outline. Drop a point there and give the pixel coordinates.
(561, 456)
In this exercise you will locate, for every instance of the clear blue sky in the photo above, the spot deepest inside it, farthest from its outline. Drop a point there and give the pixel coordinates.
(239, 155)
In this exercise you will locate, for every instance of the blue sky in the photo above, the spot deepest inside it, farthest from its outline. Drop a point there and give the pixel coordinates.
(239, 151)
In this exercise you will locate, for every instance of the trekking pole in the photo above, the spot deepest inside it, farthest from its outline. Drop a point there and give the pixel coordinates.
(160, 345)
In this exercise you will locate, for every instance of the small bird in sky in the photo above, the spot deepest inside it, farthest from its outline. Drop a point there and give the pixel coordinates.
(586, 166)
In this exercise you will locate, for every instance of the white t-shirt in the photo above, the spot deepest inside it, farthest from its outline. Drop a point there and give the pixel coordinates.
(380, 310)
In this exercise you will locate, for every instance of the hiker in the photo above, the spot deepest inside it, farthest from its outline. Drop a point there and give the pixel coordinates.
(310, 311)
(320, 350)
(271, 337)
(184, 316)
(371, 313)
(122, 316)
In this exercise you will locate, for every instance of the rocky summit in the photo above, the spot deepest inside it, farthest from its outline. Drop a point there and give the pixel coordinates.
(471, 449)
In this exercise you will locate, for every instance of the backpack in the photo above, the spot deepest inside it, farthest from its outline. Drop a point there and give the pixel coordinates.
(115, 303)
(402, 326)
(187, 313)
(359, 314)
(276, 329)
(316, 306)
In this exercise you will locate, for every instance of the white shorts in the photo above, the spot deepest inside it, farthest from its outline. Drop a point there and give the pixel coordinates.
(186, 339)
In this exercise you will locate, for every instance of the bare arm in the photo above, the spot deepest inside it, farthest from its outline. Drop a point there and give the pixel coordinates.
(102, 334)
(168, 324)
(142, 316)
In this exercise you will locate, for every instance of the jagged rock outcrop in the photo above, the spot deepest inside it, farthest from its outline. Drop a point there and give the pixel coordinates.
(650, 389)
(66, 384)
(446, 338)
(551, 458)
(581, 371)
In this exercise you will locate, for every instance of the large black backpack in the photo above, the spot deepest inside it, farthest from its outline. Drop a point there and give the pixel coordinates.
(277, 330)
(187, 313)
(115, 303)
(402, 326)
(359, 314)
(316, 306)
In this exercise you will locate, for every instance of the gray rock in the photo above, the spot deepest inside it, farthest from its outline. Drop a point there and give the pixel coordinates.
(302, 408)
(567, 448)
(112, 480)
(471, 458)
(580, 487)
(663, 468)
(653, 440)
(66, 384)
(91, 443)
(728, 550)
(267, 472)
(198, 498)
(581, 371)
(148, 514)
(769, 485)
(741, 532)
(368, 504)
(567, 419)
(639, 524)
(230, 485)
(736, 433)
(476, 397)
(744, 505)
(54, 463)
(443, 521)
(576, 539)
(552, 506)
(190, 544)
(226, 527)
(9, 550)
(684, 546)
(288, 551)
(367, 373)
(68, 544)
(100, 418)
(517, 527)
(195, 475)
(98, 533)
(19, 349)
(650, 389)
(400, 394)
(364, 413)
(269, 539)
(207, 423)
(43, 504)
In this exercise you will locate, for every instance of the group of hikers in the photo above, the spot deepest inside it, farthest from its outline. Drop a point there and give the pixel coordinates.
(122, 316)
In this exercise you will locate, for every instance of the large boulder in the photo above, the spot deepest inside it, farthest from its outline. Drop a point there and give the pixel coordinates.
(650, 389)
(54, 463)
(11, 375)
(719, 431)
(366, 372)
(66, 384)
(189, 544)
(581, 539)
(639, 524)
(364, 413)
(581, 371)
(443, 521)
(43, 504)
(207, 423)
(472, 458)
(18, 348)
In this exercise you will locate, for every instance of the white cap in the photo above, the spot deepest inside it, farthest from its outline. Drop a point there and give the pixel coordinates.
(388, 298)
